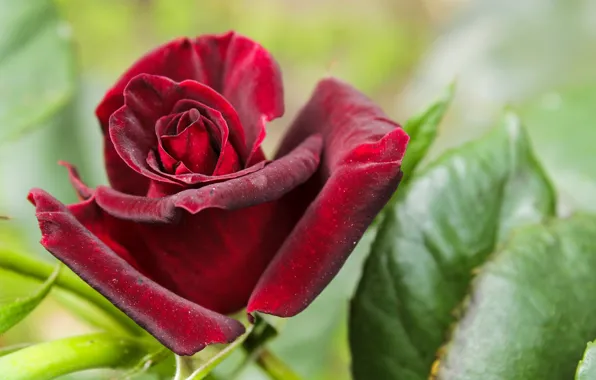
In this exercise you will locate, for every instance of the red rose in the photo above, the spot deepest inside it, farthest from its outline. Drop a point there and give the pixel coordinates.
(197, 223)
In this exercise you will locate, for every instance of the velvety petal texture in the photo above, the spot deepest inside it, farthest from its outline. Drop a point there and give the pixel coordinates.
(362, 157)
(197, 224)
(181, 325)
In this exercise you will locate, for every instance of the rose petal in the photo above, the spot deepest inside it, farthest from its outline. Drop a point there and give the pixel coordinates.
(168, 125)
(360, 171)
(163, 126)
(193, 147)
(182, 169)
(228, 161)
(160, 189)
(120, 175)
(214, 258)
(83, 191)
(184, 122)
(168, 163)
(180, 325)
(265, 185)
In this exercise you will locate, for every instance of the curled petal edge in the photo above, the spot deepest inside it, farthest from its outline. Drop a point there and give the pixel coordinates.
(182, 326)
(267, 184)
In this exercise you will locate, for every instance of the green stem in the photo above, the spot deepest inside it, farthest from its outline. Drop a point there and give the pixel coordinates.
(151, 360)
(185, 367)
(254, 346)
(28, 266)
(56, 358)
(10, 349)
(274, 367)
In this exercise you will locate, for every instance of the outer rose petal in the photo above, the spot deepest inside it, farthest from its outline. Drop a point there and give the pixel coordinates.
(83, 191)
(360, 171)
(238, 68)
(179, 324)
(215, 257)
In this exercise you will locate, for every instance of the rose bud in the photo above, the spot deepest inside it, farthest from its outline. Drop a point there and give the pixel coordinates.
(197, 224)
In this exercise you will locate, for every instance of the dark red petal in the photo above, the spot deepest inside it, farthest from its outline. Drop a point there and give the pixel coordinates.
(193, 147)
(160, 189)
(182, 169)
(120, 175)
(182, 124)
(181, 325)
(249, 77)
(215, 257)
(228, 161)
(265, 185)
(168, 125)
(163, 126)
(360, 171)
(215, 131)
(83, 191)
(133, 144)
(168, 163)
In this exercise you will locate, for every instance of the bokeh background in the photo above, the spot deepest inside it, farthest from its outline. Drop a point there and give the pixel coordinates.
(537, 57)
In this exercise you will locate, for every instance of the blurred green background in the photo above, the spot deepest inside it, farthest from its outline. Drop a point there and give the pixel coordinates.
(536, 56)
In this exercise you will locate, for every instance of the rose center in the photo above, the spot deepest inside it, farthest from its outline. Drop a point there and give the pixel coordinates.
(189, 144)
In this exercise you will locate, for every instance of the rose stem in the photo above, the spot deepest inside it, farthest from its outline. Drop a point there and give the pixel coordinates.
(274, 367)
(48, 360)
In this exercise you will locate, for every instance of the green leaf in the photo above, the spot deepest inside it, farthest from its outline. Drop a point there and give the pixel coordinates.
(446, 223)
(562, 125)
(36, 64)
(586, 370)
(52, 359)
(532, 307)
(422, 130)
(13, 311)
